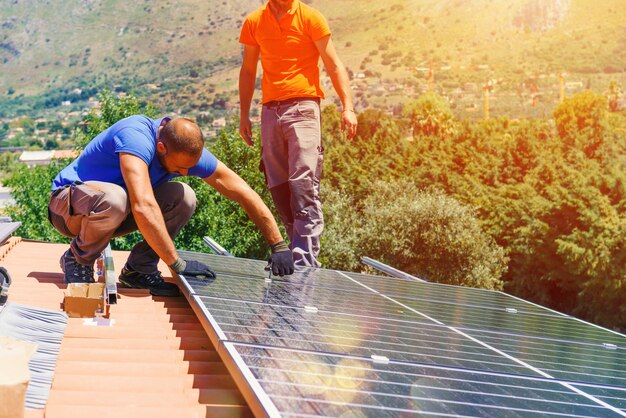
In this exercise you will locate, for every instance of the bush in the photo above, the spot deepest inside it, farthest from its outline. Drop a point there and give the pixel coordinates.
(341, 240)
(430, 235)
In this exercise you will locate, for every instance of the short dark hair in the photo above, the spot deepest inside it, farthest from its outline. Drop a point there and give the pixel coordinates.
(183, 135)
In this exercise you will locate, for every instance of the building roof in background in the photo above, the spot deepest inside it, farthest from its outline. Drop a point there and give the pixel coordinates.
(44, 157)
(65, 153)
(28, 156)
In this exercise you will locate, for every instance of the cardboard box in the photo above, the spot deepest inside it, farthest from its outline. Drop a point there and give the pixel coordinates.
(15, 355)
(85, 300)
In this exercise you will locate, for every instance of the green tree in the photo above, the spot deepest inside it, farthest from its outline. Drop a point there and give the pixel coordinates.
(581, 122)
(556, 205)
(430, 115)
(111, 110)
(375, 153)
(27, 124)
(51, 144)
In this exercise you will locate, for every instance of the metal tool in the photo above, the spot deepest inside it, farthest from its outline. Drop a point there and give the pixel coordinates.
(107, 271)
(215, 246)
(268, 280)
(268, 268)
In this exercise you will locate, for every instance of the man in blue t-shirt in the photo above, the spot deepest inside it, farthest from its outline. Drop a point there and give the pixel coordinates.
(120, 184)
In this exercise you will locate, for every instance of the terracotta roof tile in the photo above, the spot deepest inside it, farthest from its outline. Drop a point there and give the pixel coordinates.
(156, 360)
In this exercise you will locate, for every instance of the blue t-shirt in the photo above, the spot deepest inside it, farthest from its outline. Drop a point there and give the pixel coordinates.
(136, 135)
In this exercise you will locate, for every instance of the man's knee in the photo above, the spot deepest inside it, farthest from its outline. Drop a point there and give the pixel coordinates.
(303, 197)
(115, 204)
(178, 197)
(306, 207)
(188, 199)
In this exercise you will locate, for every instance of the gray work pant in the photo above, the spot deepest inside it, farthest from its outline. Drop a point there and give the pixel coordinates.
(94, 212)
(292, 156)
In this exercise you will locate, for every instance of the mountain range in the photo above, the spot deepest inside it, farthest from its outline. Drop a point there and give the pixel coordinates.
(185, 54)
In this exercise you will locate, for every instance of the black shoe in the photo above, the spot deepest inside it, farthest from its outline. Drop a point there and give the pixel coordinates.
(153, 281)
(74, 271)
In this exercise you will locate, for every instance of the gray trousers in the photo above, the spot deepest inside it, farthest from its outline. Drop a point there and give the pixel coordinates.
(292, 155)
(94, 212)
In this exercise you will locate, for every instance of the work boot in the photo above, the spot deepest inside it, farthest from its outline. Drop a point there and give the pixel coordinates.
(74, 271)
(153, 281)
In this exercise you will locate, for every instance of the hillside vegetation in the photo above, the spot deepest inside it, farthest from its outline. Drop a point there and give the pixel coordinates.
(184, 55)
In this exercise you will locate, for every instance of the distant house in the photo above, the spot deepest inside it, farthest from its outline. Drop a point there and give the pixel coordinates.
(33, 158)
(65, 153)
(573, 85)
(219, 123)
(470, 87)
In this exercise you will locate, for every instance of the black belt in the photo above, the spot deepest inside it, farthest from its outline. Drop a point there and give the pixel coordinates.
(276, 103)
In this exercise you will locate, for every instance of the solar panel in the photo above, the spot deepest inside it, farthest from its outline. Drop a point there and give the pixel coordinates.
(330, 343)
(6, 229)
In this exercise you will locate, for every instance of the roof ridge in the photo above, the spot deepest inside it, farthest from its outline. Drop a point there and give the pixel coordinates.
(8, 245)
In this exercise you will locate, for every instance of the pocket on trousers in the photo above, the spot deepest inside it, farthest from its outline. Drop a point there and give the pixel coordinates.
(58, 212)
(307, 110)
(319, 165)
(84, 198)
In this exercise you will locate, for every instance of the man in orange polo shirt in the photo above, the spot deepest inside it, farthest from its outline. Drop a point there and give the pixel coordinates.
(290, 37)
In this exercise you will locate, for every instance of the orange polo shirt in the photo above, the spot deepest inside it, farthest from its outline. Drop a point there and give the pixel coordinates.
(288, 54)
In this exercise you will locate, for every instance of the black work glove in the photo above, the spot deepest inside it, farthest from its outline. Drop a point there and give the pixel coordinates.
(192, 268)
(281, 259)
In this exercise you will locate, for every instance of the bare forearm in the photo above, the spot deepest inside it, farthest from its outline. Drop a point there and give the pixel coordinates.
(246, 91)
(341, 82)
(152, 226)
(261, 216)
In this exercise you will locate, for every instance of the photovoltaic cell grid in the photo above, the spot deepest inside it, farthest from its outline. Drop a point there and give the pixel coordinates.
(330, 343)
